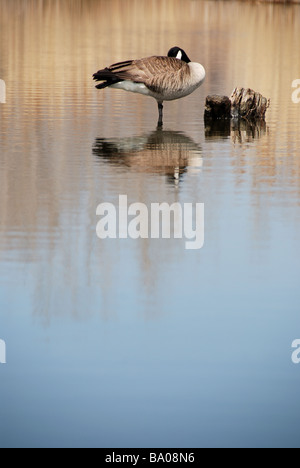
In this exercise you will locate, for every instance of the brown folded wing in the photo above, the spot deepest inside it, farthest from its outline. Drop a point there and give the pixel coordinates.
(157, 73)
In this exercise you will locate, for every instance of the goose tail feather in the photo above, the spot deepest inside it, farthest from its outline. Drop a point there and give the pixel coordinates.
(108, 78)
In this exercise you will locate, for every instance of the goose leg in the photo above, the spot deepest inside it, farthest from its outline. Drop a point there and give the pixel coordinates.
(160, 113)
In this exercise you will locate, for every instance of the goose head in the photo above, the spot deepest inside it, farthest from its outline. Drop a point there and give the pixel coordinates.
(178, 53)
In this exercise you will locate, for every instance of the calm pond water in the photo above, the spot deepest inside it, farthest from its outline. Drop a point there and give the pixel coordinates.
(142, 343)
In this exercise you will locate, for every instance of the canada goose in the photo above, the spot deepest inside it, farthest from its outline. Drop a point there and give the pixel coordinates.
(163, 78)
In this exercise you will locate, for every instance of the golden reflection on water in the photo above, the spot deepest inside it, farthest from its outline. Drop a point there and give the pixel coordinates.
(55, 123)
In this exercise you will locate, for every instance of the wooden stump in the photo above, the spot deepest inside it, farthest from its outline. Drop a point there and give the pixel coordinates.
(248, 104)
(243, 103)
(217, 107)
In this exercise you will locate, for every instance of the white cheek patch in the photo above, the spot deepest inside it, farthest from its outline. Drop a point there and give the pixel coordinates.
(179, 55)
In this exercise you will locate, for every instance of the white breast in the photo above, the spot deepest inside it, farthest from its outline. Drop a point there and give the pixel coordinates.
(197, 73)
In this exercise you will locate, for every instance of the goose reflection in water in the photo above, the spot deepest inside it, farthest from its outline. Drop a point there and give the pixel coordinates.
(162, 152)
(239, 130)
